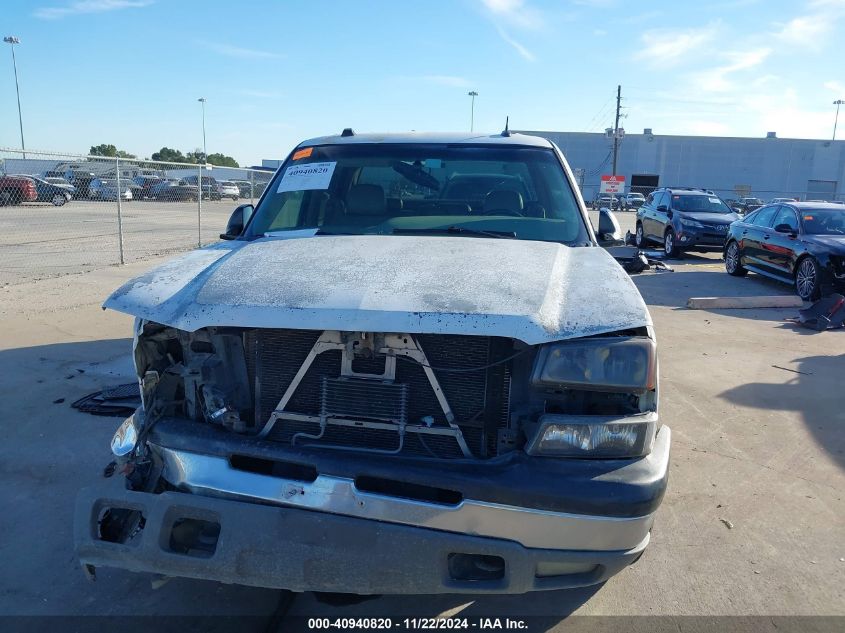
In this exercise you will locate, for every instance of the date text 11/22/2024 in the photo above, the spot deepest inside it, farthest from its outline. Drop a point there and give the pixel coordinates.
(422, 624)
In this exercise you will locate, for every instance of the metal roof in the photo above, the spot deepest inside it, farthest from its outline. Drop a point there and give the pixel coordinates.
(451, 138)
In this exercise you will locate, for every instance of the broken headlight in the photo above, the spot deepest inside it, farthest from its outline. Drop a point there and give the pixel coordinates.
(608, 437)
(610, 364)
(125, 438)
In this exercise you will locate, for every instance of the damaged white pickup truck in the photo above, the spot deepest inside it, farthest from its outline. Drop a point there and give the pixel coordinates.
(409, 369)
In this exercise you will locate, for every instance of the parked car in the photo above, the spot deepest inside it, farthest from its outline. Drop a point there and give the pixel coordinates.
(107, 189)
(632, 200)
(245, 187)
(175, 191)
(779, 200)
(145, 185)
(747, 205)
(61, 182)
(49, 192)
(605, 201)
(82, 183)
(683, 219)
(210, 187)
(417, 395)
(799, 243)
(227, 189)
(16, 190)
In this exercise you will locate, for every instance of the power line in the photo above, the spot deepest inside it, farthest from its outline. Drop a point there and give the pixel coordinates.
(598, 115)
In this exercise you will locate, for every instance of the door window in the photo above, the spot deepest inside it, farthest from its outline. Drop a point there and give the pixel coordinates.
(765, 216)
(786, 216)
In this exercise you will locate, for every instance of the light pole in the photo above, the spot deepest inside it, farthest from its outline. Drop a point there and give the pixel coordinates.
(204, 151)
(837, 103)
(472, 94)
(12, 40)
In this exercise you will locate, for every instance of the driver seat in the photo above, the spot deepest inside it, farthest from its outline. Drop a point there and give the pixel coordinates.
(504, 200)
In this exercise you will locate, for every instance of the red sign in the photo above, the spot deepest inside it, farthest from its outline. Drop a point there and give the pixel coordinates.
(612, 184)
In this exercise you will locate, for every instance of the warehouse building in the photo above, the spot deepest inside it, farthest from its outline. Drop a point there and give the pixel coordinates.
(766, 168)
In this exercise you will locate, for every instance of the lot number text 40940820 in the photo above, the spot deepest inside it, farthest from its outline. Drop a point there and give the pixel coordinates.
(421, 624)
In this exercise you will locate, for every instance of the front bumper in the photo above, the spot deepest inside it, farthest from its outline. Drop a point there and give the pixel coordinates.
(697, 239)
(329, 535)
(302, 550)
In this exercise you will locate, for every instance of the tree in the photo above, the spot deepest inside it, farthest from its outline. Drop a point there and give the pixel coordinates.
(109, 150)
(222, 160)
(169, 155)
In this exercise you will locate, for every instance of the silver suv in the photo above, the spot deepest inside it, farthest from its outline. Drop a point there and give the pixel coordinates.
(388, 380)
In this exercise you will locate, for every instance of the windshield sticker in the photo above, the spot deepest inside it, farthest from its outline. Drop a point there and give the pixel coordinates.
(714, 200)
(308, 176)
(303, 153)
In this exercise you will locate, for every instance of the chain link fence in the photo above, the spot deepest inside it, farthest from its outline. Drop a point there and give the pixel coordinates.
(64, 213)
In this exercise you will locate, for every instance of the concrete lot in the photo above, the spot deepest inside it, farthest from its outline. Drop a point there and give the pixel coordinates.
(40, 240)
(755, 405)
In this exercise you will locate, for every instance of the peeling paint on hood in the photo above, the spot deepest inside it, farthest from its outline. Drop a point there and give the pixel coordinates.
(533, 291)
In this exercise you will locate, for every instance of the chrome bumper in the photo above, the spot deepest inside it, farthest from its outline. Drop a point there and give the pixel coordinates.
(212, 476)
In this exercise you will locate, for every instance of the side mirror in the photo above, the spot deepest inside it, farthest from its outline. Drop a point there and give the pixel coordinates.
(663, 208)
(785, 228)
(609, 230)
(237, 221)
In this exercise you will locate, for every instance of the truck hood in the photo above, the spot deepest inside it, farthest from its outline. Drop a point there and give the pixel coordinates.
(533, 291)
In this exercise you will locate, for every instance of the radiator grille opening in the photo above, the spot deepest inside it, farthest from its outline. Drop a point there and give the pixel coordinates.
(479, 399)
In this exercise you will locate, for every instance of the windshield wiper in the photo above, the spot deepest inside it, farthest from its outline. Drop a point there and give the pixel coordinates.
(457, 230)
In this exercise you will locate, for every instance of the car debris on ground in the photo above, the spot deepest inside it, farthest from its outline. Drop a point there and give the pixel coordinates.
(827, 313)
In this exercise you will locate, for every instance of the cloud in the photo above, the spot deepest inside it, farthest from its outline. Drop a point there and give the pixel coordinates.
(717, 79)
(241, 53)
(811, 31)
(519, 48)
(88, 6)
(515, 13)
(599, 32)
(836, 87)
(805, 31)
(668, 47)
(448, 80)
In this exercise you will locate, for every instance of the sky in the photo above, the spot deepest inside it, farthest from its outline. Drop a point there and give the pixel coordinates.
(129, 72)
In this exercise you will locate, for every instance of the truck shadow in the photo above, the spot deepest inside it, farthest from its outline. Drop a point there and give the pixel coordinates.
(814, 391)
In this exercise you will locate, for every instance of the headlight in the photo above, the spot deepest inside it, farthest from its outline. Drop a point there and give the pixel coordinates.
(125, 438)
(594, 436)
(691, 224)
(613, 364)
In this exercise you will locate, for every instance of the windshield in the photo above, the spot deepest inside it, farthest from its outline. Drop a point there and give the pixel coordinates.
(394, 188)
(823, 221)
(700, 204)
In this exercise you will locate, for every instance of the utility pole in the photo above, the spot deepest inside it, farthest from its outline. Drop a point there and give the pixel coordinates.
(616, 127)
(837, 103)
(11, 39)
(473, 94)
(204, 150)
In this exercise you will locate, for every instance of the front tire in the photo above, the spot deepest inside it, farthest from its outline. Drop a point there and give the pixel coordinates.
(807, 279)
(639, 237)
(733, 261)
(59, 199)
(670, 244)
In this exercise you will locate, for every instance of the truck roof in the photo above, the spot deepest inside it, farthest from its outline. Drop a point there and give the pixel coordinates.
(514, 138)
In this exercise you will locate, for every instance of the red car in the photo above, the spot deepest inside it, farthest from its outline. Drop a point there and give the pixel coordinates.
(16, 189)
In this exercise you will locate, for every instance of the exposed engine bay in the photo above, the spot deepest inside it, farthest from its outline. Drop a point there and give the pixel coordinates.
(427, 395)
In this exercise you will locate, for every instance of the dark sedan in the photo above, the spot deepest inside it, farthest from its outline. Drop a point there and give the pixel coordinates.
(800, 243)
(174, 191)
(49, 192)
